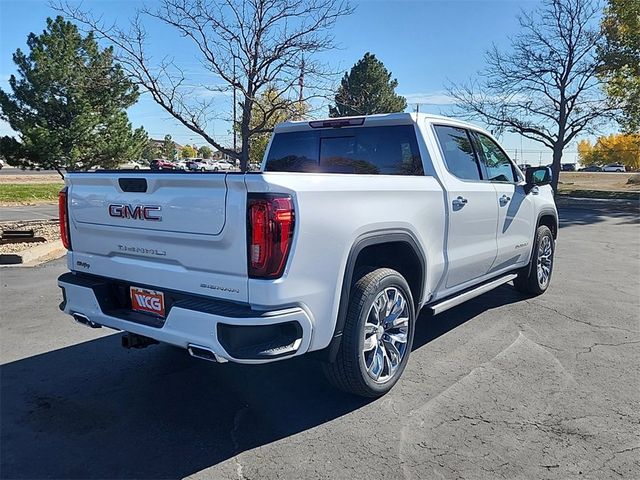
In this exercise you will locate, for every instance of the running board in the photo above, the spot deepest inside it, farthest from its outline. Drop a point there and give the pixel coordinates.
(469, 294)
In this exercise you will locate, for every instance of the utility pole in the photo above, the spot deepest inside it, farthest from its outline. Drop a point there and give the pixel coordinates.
(301, 82)
(297, 111)
(235, 149)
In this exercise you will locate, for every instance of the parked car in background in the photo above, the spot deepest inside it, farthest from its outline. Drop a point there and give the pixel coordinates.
(568, 167)
(220, 165)
(614, 167)
(591, 168)
(524, 166)
(162, 164)
(182, 164)
(133, 165)
(198, 165)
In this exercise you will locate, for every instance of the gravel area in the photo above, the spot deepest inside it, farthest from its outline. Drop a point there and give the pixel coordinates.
(46, 230)
(32, 178)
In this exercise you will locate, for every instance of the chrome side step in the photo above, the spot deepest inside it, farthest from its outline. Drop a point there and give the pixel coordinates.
(469, 294)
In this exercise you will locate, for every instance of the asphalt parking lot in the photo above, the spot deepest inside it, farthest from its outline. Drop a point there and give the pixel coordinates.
(501, 387)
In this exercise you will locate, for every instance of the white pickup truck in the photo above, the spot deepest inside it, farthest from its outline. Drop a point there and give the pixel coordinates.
(350, 229)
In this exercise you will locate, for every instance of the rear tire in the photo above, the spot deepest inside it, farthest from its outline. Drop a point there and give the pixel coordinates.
(377, 335)
(535, 278)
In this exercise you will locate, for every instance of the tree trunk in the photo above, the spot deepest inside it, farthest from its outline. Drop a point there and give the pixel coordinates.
(245, 124)
(244, 151)
(555, 166)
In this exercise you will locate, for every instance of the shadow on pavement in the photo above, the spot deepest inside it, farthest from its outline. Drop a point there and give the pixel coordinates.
(94, 410)
(571, 216)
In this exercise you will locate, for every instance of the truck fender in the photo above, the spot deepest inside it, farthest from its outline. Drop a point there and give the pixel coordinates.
(368, 239)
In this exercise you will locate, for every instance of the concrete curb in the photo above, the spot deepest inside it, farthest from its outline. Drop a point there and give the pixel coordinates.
(33, 256)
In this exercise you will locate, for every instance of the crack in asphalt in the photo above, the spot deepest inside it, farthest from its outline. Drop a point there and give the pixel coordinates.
(236, 444)
(613, 456)
(569, 317)
(590, 348)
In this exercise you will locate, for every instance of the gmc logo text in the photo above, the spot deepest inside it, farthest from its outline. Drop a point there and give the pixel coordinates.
(137, 212)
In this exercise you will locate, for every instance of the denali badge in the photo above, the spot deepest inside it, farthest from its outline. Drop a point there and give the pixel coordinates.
(137, 212)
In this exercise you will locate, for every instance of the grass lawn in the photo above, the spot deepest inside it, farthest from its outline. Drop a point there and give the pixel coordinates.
(598, 185)
(598, 181)
(20, 193)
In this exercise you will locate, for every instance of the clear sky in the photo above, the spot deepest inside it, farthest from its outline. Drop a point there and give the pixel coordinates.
(423, 43)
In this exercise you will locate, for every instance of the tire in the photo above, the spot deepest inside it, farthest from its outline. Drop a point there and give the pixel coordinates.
(535, 278)
(355, 368)
(202, 169)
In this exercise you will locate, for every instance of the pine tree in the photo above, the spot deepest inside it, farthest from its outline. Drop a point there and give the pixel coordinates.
(367, 89)
(68, 104)
(169, 150)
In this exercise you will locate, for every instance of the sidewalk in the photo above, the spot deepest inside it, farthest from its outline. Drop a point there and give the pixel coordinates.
(45, 211)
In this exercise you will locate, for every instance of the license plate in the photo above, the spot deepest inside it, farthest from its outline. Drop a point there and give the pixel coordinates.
(147, 301)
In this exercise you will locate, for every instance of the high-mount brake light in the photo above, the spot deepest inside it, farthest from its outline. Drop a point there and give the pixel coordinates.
(342, 122)
(271, 219)
(63, 214)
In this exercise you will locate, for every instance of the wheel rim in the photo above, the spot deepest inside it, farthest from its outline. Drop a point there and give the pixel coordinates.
(385, 335)
(545, 260)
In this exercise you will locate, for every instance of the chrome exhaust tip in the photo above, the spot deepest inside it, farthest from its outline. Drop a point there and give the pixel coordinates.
(204, 353)
(84, 320)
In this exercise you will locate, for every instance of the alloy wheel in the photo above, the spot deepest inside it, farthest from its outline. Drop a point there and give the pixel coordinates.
(545, 259)
(385, 335)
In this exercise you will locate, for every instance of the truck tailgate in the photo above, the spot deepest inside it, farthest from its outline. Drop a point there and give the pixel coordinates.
(161, 229)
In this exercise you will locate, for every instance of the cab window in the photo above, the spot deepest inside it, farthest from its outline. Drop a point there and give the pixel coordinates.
(497, 165)
(458, 152)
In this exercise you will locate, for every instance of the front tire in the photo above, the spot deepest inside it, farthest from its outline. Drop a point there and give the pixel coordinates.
(535, 279)
(377, 335)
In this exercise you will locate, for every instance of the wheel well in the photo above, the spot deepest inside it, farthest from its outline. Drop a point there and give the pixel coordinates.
(549, 221)
(399, 256)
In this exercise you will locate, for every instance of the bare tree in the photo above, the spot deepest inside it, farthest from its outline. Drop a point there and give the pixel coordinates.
(546, 86)
(246, 45)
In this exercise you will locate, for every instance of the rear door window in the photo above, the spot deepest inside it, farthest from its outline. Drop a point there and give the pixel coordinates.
(388, 150)
(457, 150)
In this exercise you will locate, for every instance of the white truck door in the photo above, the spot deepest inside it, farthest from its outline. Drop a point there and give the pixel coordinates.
(516, 210)
(473, 213)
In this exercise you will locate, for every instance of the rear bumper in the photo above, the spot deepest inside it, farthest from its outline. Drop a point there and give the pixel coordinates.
(233, 332)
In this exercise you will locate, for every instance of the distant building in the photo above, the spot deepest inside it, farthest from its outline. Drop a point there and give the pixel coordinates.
(160, 143)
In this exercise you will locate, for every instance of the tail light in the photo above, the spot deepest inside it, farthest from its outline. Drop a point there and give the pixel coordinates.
(270, 232)
(63, 214)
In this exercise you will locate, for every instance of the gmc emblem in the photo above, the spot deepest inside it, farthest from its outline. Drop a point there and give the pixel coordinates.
(137, 212)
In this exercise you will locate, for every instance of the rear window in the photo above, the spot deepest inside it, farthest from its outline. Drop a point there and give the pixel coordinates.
(390, 150)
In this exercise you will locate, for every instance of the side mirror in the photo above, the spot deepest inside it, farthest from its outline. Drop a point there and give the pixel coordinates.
(537, 176)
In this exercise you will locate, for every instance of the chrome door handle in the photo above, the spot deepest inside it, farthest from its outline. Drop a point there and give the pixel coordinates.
(459, 202)
(504, 199)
